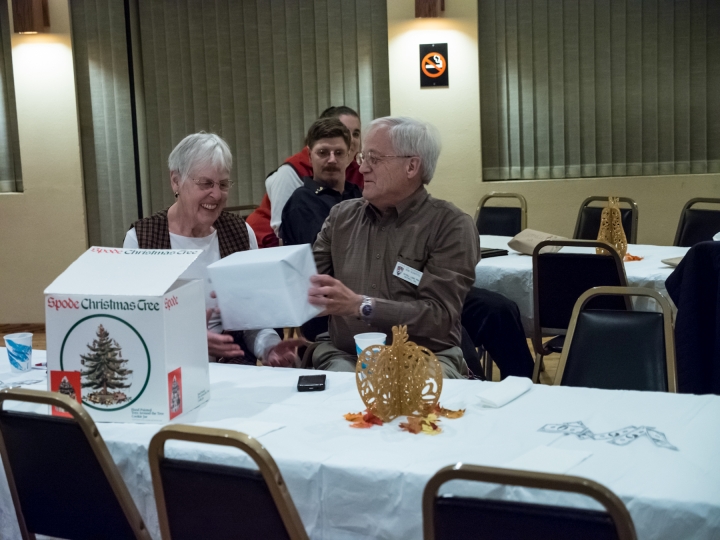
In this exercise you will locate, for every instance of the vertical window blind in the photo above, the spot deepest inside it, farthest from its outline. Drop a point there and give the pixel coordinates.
(256, 72)
(579, 88)
(10, 172)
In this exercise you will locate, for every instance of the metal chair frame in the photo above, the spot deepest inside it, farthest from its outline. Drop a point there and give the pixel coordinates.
(538, 346)
(501, 195)
(627, 292)
(96, 442)
(555, 482)
(688, 205)
(633, 209)
(234, 439)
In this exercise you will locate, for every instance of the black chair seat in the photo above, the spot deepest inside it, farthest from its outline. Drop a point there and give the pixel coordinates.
(589, 223)
(697, 225)
(556, 344)
(500, 220)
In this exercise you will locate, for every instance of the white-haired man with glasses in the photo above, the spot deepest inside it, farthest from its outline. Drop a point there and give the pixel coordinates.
(200, 168)
(398, 256)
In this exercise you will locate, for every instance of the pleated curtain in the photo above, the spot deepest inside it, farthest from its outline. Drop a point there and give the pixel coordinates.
(257, 72)
(10, 171)
(582, 88)
(103, 90)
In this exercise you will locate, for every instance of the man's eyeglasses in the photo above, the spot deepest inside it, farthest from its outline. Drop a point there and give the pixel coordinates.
(324, 153)
(206, 184)
(373, 159)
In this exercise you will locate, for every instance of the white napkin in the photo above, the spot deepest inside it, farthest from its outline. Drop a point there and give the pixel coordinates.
(548, 459)
(504, 392)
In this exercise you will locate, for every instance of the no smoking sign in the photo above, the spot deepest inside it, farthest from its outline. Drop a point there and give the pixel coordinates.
(434, 65)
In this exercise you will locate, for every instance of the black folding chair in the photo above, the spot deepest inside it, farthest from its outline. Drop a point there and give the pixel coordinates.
(501, 220)
(558, 281)
(62, 478)
(216, 502)
(449, 517)
(619, 350)
(697, 224)
(587, 225)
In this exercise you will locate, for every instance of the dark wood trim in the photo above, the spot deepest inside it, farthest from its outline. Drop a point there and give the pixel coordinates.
(30, 16)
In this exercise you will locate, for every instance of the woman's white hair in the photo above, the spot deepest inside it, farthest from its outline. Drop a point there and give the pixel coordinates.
(197, 150)
(411, 137)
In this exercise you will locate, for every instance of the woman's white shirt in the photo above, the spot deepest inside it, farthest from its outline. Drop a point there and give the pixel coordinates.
(258, 340)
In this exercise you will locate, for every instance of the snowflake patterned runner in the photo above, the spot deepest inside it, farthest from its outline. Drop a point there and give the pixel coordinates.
(620, 437)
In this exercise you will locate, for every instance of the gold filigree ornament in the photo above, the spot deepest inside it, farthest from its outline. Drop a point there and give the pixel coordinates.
(611, 229)
(399, 379)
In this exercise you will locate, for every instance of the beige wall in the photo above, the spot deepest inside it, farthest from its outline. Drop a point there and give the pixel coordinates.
(43, 229)
(552, 204)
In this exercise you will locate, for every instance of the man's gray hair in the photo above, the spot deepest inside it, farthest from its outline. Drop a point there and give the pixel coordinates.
(200, 149)
(411, 137)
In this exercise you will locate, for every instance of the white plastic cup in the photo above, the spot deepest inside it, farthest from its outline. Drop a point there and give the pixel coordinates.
(19, 351)
(362, 341)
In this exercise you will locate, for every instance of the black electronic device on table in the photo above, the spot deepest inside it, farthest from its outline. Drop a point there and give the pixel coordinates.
(311, 383)
(492, 252)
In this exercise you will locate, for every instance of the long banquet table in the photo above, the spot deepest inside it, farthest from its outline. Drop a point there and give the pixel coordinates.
(352, 484)
(511, 275)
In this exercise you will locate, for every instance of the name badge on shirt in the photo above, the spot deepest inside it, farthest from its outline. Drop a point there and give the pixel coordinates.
(407, 273)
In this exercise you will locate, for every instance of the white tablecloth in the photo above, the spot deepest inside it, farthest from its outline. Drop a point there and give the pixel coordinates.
(352, 484)
(511, 275)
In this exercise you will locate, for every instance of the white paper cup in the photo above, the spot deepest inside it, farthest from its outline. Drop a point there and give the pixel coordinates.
(362, 341)
(19, 351)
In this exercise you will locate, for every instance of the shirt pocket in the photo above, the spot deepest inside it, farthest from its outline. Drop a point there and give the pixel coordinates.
(401, 289)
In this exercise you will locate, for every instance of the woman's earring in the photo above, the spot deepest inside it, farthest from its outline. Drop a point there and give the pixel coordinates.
(176, 194)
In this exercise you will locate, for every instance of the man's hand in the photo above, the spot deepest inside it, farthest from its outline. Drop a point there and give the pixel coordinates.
(221, 344)
(283, 354)
(336, 299)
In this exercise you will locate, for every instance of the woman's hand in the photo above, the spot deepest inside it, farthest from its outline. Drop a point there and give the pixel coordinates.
(220, 345)
(334, 297)
(283, 354)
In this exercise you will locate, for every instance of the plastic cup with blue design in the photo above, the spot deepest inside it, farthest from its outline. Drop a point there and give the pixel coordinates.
(363, 341)
(19, 351)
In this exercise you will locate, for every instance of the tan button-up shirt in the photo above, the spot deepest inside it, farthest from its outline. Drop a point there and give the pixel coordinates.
(361, 246)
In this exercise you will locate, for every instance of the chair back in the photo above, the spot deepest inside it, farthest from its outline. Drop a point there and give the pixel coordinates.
(62, 478)
(696, 224)
(587, 225)
(619, 350)
(501, 220)
(210, 501)
(560, 278)
(455, 518)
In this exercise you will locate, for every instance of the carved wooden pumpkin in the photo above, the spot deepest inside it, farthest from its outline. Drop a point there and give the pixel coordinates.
(398, 379)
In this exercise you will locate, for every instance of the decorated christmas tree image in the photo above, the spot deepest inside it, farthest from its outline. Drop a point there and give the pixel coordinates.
(175, 396)
(66, 388)
(105, 370)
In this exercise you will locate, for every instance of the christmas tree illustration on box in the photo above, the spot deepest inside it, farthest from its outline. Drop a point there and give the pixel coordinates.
(105, 371)
(66, 388)
(175, 397)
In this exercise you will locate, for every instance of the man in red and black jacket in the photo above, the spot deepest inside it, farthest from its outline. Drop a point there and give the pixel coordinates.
(281, 183)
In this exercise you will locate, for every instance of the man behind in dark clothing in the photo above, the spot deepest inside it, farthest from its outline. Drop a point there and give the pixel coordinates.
(328, 142)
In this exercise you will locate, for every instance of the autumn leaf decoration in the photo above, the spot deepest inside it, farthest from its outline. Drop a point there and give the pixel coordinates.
(427, 425)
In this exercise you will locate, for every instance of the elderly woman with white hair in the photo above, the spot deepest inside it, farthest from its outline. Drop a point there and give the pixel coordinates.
(200, 168)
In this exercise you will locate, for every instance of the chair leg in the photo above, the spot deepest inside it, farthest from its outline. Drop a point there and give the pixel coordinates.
(487, 366)
(536, 369)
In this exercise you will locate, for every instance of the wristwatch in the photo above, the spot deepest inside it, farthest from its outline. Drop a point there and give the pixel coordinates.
(366, 307)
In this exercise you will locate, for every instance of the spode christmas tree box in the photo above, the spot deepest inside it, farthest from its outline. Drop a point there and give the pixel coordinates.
(264, 288)
(126, 337)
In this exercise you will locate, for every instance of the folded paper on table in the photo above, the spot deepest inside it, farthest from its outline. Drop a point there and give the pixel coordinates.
(549, 460)
(672, 262)
(254, 428)
(525, 241)
(264, 288)
(503, 392)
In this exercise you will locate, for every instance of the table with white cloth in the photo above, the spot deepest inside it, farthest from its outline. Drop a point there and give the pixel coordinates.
(512, 275)
(368, 483)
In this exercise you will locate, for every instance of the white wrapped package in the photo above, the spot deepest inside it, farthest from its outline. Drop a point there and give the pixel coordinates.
(264, 288)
